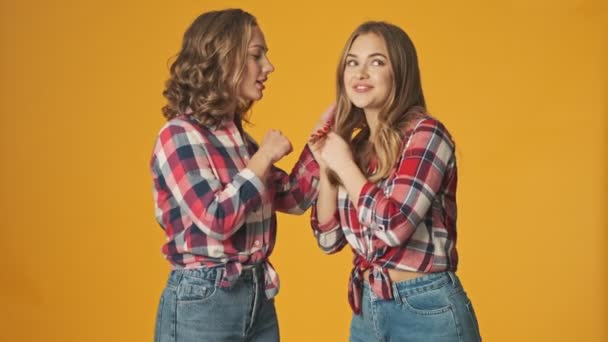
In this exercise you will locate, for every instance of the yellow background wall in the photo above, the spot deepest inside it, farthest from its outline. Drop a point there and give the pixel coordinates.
(521, 84)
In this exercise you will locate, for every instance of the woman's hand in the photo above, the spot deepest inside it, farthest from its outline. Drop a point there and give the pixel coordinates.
(273, 148)
(335, 153)
(319, 132)
(275, 145)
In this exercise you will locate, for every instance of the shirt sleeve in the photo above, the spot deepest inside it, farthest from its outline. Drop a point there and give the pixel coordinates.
(419, 176)
(187, 170)
(295, 192)
(329, 235)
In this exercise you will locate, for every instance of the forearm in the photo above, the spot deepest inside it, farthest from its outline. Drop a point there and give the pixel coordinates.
(327, 199)
(295, 192)
(260, 163)
(353, 180)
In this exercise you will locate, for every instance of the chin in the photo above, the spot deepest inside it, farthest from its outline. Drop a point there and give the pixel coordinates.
(254, 97)
(359, 104)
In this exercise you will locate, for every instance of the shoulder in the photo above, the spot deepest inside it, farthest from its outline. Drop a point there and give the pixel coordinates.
(430, 127)
(182, 129)
(178, 124)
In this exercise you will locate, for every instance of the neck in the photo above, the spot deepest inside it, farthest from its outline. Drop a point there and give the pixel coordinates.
(371, 117)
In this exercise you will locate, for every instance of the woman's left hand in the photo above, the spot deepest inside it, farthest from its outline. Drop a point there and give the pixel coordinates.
(335, 152)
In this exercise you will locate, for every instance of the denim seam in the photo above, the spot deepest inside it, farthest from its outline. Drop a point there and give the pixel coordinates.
(396, 294)
(373, 310)
(455, 291)
(206, 297)
(185, 285)
(247, 321)
(426, 312)
(174, 325)
(457, 324)
(469, 307)
(256, 299)
(159, 319)
(432, 286)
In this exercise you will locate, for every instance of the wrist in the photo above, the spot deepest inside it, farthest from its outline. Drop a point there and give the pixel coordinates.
(265, 156)
(259, 163)
(344, 167)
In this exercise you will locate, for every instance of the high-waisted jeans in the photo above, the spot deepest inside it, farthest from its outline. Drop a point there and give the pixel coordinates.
(432, 307)
(193, 308)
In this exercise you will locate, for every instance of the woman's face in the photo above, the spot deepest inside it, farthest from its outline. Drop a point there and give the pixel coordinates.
(257, 67)
(368, 75)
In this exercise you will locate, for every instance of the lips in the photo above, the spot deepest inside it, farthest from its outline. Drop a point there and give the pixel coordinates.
(260, 84)
(362, 88)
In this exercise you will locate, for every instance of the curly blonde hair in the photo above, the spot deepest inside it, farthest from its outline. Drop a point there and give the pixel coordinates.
(204, 77)
(404, 104)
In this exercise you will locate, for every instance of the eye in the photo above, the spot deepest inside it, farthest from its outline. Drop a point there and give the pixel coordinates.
(378, 62)
(351, 63)
(257, 53)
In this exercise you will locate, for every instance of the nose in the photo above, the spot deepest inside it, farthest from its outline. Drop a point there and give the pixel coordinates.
(268, 67)
(362, 72)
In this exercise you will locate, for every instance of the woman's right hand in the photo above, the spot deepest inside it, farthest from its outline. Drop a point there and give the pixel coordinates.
(275, 145)
(273, 148)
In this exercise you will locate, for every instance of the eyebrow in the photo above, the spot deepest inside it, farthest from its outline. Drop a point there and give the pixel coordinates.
(376, 54)
(258, 46)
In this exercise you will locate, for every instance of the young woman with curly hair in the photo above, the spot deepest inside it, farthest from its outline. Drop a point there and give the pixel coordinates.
(216, 191)
(390, 194)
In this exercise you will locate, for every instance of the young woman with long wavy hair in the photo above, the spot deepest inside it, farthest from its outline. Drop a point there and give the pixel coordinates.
(388, 189)
(217, 192)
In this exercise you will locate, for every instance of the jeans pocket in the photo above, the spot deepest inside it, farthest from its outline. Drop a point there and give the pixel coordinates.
(431, 302)
(195, 290)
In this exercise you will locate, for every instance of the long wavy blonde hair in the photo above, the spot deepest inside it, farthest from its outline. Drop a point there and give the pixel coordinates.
(404, 104)
(205, 76)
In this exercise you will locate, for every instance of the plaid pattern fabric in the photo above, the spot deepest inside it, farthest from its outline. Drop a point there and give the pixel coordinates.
(214, 210)
(406, 221)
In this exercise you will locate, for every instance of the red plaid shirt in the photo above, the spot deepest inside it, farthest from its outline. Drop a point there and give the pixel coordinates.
(214, 210)
(406, 222)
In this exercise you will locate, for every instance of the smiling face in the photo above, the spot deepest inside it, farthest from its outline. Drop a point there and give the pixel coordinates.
(368, 75)
(257, 67)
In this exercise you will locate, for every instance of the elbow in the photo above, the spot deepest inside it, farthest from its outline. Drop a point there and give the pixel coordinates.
(329, 249)
(331, 242)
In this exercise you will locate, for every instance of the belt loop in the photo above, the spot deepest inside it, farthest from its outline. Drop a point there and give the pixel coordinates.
(175, 277)
(453, 278)
(219, 272)
(396, 294)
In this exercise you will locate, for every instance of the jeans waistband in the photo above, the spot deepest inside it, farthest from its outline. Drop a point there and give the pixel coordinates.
(426, 282)
(215, 274)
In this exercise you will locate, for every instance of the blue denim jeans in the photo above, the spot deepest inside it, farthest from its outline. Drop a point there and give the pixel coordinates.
(433, 307)
(193, 308)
